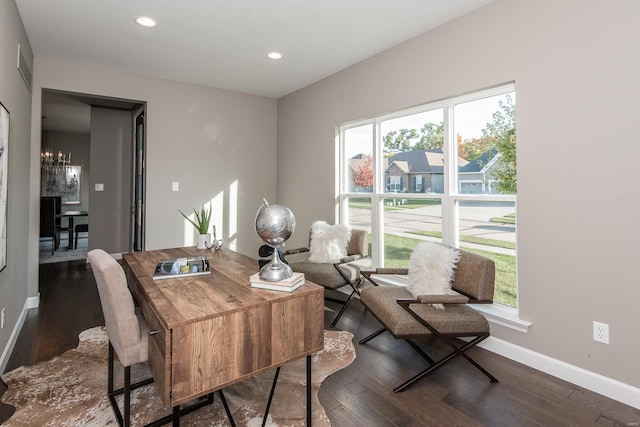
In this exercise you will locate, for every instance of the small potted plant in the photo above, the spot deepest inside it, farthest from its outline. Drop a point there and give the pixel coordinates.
(201, 223)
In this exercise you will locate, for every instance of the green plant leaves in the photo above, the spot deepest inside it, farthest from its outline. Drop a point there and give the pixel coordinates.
(203, 218)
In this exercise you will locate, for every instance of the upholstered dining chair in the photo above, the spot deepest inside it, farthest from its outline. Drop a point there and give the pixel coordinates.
(407, 316)
(128, 336)
(335, 275)
(48, 221)
(59, 227)
(79, 228)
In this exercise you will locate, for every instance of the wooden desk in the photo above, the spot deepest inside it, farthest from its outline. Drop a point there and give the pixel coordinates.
(71, 215)
(209, 332)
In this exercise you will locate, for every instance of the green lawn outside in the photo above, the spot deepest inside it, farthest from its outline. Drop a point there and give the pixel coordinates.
(470, 239)
(398, 249)
(507, 219)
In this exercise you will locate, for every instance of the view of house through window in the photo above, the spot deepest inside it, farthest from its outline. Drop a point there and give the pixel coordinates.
(444, 172)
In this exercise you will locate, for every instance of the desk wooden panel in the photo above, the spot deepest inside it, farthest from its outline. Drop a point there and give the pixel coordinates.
(213, 331)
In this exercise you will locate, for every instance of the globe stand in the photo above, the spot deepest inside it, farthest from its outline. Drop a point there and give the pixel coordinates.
(276, 269)
(274, 225)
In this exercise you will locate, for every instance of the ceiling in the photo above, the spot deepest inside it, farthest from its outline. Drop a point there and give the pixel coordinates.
(224, 43)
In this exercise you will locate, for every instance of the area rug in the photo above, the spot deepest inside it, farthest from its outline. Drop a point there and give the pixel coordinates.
(63, 253)
(70, 390)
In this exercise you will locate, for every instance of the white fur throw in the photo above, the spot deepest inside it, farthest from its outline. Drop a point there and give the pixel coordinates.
(431, 269)
(328, 242)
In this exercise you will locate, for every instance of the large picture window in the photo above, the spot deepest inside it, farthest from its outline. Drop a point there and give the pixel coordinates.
(444, 171)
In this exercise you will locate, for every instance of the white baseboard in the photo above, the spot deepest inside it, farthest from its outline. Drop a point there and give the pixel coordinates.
(597, 383)
(31, 302)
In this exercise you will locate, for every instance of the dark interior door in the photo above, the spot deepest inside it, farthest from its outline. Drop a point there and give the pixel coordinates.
(138, 184)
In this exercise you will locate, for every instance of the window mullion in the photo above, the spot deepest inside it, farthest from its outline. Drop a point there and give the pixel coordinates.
(377, 213)
(449, 204)
(342, 207)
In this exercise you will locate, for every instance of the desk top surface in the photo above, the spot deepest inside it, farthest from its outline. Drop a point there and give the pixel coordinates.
(190, 299)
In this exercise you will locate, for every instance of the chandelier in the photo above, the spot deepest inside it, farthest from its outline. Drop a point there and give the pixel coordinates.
(54, 162)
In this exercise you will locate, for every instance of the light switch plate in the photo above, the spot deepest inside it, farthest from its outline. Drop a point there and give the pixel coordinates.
(175, 186)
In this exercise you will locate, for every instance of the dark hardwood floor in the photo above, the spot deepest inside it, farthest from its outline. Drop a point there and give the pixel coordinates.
(361, 394)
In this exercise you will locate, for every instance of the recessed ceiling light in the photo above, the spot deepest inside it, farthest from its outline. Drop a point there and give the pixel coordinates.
(274, 55)
(145, 21)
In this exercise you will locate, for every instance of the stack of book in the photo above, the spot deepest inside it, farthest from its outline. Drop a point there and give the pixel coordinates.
(289, 284)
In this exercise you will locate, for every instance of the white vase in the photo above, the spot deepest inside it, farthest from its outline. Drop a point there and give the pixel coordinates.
(203, 241)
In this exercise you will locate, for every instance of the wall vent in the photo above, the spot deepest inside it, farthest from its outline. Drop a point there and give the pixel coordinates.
(24, 70)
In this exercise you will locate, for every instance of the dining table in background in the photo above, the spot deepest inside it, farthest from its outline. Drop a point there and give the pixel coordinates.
(71, 214)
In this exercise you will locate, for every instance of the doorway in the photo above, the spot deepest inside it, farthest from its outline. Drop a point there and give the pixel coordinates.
(82, 128)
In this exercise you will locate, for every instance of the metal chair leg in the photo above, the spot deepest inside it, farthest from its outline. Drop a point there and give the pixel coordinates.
(372, 336)
(127, 396)
(111, 393)
(345, 304)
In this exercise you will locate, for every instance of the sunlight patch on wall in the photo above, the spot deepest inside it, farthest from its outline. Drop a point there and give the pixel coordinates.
(233, 216)
(189, 232)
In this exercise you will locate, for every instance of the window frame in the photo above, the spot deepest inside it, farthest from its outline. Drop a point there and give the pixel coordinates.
(451, 196)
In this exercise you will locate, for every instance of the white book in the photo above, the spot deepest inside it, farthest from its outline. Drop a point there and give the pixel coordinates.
(289, 281)
(281, 288)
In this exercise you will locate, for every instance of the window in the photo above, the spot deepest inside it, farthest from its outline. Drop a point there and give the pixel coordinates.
(395, 183)
(444, 171)
(419, 181)
(357, 149)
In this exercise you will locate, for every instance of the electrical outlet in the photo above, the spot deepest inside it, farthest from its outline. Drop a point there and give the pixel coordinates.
(2, 319)
(601, 332)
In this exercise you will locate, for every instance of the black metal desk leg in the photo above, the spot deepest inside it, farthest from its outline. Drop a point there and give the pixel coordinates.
(309, 391)
(273, 389)
(176, 416)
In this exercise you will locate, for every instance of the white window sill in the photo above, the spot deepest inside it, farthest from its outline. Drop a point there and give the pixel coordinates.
(496, 313)
(504, 316)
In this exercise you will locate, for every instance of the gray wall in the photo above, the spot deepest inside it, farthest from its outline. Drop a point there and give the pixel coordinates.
(576, 71)
(216, 143)
(15, 96)
(111, 152)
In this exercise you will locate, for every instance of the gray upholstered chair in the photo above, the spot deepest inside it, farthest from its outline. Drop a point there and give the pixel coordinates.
(408, 317)
(128, 335)
(333, 276)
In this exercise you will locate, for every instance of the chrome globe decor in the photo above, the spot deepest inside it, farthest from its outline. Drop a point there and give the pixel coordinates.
(274, 225)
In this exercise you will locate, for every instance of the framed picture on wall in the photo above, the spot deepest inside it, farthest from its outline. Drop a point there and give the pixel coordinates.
(4, 164)
(64, 182)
